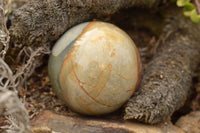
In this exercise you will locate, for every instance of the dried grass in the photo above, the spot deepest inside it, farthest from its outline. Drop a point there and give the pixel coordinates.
(11, 106)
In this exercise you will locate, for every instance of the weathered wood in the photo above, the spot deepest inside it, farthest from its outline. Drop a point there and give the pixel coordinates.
(168, 77)
(40, 22)
(190, 123)
(48, 122)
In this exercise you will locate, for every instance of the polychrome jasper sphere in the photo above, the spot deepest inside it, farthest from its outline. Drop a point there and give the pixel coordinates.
(95, 68)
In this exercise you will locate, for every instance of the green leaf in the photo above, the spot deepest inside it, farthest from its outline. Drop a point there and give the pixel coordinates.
(194, 16)
(188, 8)
(181, 3)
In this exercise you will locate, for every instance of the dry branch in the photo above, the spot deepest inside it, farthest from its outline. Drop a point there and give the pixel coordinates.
(40, 22)
(167, 79)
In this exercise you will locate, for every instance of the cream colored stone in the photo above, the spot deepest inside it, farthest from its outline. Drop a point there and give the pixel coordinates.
(101, 71)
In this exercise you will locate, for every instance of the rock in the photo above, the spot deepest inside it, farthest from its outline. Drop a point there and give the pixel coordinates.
(190, 123)
(49, 122)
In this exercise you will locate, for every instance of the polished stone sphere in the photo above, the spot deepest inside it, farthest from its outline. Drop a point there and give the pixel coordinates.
(95, 68)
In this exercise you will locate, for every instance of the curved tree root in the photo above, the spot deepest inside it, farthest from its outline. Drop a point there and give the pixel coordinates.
(168, 77)
(40, 22)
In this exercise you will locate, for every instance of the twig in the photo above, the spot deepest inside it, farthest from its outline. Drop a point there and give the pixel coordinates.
(197, 5)
(28, 68)
(4, 34)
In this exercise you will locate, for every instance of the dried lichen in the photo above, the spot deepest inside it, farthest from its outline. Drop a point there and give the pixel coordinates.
(168, 77)
(11, 106)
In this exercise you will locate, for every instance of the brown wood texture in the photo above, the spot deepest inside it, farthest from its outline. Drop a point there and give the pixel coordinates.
(50, 122)
(168, 77)
(40, 22)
